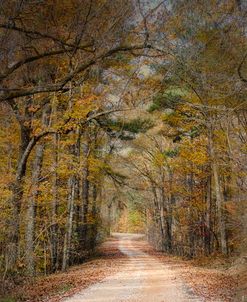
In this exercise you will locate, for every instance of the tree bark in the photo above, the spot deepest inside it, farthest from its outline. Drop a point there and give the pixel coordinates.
(69, 223)
(218, 194)
(208, 219)
(73, 194)
(54, 206)
(165, 217)
(190, 181)
(30, 218)
(85, 198)
(16, 186)
(94, 217)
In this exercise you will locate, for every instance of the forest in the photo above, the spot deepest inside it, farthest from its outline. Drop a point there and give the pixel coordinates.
(121, 116)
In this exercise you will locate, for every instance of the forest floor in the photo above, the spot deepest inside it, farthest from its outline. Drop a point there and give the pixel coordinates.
(53, 288)
(128, 269)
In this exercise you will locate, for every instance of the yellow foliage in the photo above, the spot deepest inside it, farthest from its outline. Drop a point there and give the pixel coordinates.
(194, 152)
(159, 159)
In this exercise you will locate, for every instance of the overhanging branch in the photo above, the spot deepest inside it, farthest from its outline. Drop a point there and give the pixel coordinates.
(9, 94)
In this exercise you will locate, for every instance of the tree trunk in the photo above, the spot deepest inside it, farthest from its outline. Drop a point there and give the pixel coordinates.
(164, 218)
(85, 198)
(54, 206)
(30, 224)
(17, 194)
(218, 195)
(220, 210)
(26, 145)
(94, 217)
(73, 194)
(190, 180)
(157, 216)
(69, 223)
(170, 202)
(208, 218)
(109, 217)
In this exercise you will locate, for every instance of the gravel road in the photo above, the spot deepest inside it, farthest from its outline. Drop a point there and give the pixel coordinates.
(142, 278)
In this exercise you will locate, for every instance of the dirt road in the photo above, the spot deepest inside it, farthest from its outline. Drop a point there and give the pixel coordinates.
(142, 278)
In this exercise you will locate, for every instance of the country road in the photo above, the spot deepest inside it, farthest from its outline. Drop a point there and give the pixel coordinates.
(142, 278)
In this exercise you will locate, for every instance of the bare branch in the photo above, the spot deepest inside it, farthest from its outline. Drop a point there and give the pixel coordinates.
(242, 78)
(9, 94)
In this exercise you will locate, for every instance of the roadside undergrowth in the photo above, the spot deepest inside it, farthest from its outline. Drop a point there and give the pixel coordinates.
(55, 287)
